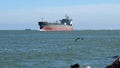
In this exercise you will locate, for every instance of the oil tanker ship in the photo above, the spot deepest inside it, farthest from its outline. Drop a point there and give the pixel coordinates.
(63, 25)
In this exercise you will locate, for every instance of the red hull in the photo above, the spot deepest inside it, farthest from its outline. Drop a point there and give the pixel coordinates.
(56, 29)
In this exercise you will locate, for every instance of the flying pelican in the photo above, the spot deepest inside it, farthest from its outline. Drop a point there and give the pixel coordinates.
(78, 39)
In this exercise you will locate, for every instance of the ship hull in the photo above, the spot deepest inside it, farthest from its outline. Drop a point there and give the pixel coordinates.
(57, 28)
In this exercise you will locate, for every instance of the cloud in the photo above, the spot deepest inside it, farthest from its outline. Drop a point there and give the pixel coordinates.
(99, 16)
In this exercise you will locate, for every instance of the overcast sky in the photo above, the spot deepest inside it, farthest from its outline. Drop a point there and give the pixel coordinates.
(86, 14)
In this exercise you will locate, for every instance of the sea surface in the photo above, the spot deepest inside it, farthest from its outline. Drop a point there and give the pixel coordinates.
(58, 49)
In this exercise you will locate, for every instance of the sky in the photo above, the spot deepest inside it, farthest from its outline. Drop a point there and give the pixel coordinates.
(86, 14)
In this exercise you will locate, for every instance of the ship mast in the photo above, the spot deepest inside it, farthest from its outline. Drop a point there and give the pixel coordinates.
(67, 17)
(42, 19)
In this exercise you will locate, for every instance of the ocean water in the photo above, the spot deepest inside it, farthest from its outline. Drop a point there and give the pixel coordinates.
(58, 49)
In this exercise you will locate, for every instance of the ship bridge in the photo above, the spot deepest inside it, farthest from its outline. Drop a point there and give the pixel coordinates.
(66, 21)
